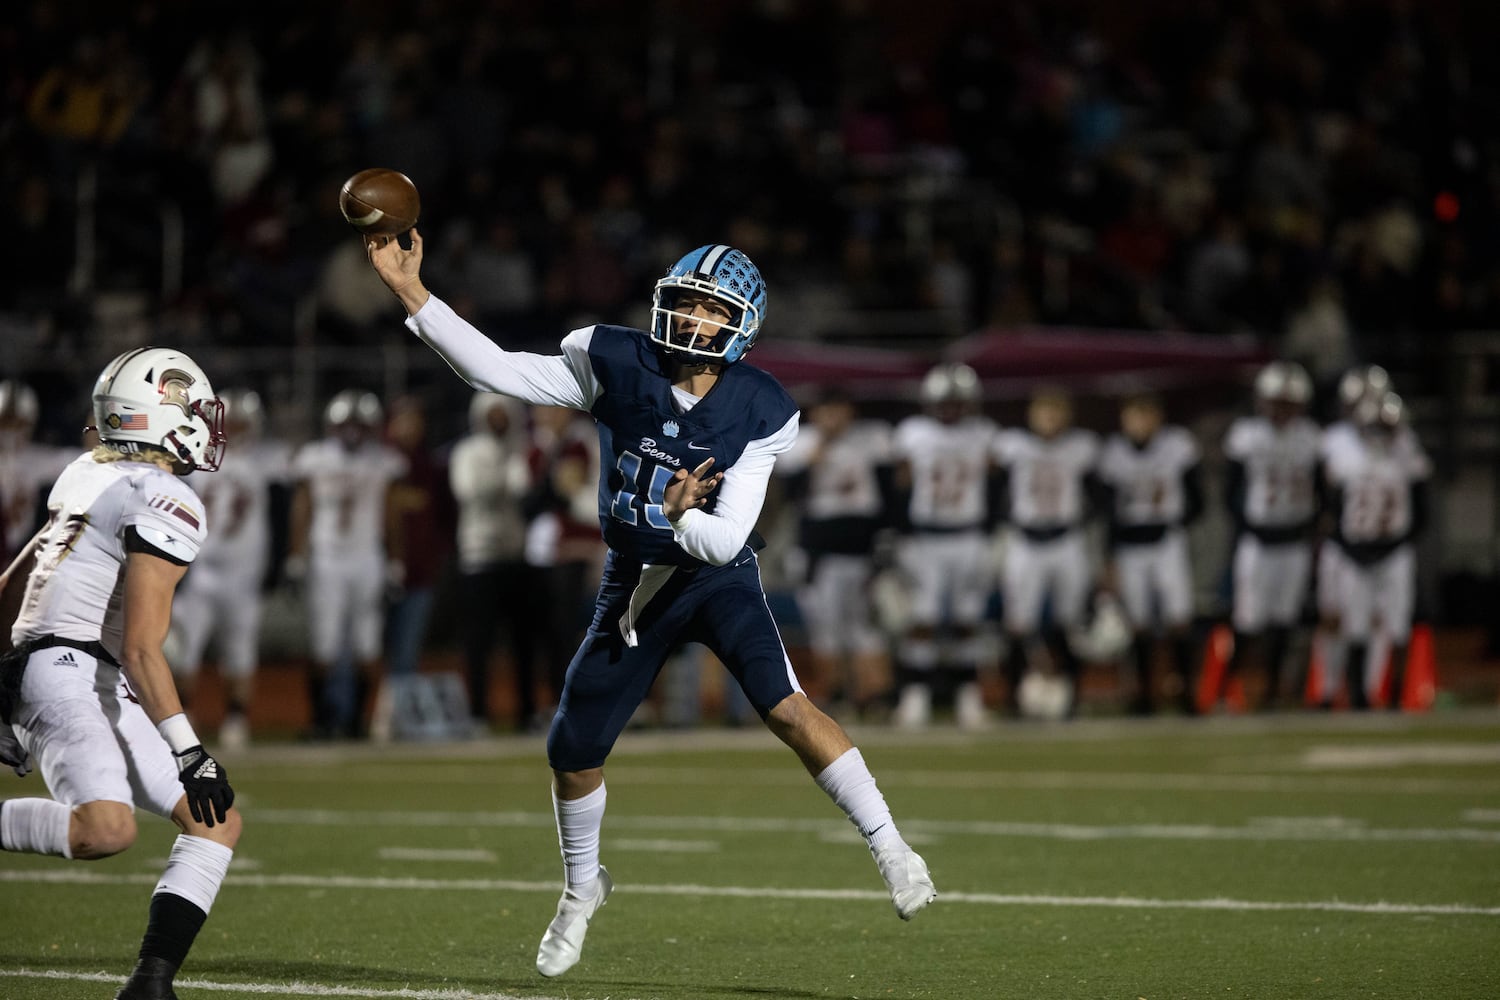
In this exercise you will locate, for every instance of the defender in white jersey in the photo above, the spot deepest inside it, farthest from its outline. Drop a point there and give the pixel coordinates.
(946, 461)
(1150, 473)
(220, 599)
(1378, 484)
(26, 467)
(1272, 493)
(838, 474)
(343, 541)
(86, 691)
(1049, 467)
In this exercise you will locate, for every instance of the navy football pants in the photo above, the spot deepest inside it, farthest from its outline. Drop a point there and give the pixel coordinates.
(723, 607)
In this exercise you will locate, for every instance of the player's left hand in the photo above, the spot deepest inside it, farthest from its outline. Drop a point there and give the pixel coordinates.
(687, 490)
(206, 783)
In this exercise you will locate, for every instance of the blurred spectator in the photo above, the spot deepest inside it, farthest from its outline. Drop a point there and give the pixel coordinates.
(422, 508)
(564, 550)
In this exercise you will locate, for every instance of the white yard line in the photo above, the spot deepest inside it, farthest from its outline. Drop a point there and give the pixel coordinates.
(660, 845)
(292, 989)
(431, 854)
(1318, 830)
(413, 884)
(1362, 756)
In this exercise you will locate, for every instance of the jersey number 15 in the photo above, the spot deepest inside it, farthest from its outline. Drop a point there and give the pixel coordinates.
(625, 505)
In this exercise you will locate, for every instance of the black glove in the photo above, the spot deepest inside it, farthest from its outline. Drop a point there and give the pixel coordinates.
(208, 793)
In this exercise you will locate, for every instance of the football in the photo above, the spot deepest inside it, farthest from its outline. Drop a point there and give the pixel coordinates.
(380, 202)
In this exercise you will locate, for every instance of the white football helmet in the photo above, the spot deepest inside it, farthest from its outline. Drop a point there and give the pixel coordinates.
(952, 388)
(1384, 412)
(18, 403)
(1044, 695)
(1357, 383)
(1106, 635)
(1284, 382)
(354, 406)
(155, 397)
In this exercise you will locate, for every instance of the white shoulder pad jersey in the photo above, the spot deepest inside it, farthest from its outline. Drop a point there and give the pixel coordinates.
(1047, 476)
(1375, 479)
(1148, 482)
(1280, 468)
(950, 465)
(76, 588)
(348, 491)
(842, 480)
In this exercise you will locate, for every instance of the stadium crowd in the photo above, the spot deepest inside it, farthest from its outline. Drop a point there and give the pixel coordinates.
(1322, 175)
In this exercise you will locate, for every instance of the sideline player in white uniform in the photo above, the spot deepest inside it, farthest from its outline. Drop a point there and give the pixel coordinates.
(343, 542)
(1049, 467)
(838, 476)
(1341, 435)
(945, 458)
(221, 597)
(1150, 472)
(1272, 493)
(1378, 482)
(26, 467)
(86, 691)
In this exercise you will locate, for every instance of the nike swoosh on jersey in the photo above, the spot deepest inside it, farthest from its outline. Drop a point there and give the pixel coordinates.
(699, 447)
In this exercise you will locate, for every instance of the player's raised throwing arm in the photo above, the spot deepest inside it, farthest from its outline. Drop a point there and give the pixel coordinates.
(544, 380)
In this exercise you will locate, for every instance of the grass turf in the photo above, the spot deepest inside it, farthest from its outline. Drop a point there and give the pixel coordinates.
(1299, 856)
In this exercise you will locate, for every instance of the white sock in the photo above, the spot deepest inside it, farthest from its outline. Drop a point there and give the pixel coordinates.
(852, 787)
(36, 826)
(578, 825)
(195, 870)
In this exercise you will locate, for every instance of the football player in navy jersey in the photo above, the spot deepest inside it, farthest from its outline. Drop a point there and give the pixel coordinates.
(688, 436)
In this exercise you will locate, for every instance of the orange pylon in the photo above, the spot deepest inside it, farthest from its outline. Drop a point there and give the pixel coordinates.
(1420, 689)
(1216, 654)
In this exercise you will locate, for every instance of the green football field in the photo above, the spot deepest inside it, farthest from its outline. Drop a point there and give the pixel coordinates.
(1285, 857)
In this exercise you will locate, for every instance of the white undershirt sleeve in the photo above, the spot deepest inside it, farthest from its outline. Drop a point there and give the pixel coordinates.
(718, 537)
(565, 379)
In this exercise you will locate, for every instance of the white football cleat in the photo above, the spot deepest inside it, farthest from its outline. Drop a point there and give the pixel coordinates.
(906, 876)
(914, 710)
(234, 732)
(969, 710)
(563, 943)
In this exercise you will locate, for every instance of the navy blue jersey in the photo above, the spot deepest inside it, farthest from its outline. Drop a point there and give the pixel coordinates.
(644, 437)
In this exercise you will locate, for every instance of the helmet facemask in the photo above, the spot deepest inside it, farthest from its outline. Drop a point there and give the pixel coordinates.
(692, 317)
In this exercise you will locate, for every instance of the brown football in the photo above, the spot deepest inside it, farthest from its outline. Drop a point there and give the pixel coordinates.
(380, 201)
